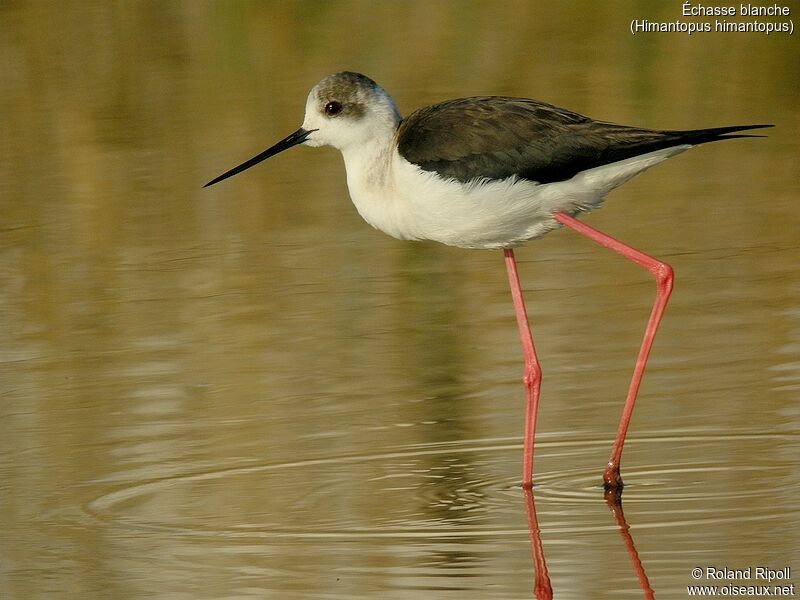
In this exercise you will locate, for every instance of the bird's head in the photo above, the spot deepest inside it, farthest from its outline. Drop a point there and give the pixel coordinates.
(344, 110)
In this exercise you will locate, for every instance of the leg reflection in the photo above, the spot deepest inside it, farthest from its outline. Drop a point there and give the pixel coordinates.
(542, 589)
(615, 506)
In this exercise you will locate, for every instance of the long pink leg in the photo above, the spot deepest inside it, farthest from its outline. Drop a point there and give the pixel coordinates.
(532, 374)
(664, 277)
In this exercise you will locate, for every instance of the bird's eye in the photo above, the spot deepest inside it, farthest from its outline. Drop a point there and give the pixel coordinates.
(333, 108)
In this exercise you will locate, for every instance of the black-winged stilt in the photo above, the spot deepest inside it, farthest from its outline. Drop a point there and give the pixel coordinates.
(490, 172)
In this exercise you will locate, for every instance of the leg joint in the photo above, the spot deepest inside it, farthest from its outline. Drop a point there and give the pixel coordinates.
(664, 275)
(532, 374)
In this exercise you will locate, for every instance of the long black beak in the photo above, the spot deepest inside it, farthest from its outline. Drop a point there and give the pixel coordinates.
(298, 137)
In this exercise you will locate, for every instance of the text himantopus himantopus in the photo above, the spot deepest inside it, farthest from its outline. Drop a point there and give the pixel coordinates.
(490, 172)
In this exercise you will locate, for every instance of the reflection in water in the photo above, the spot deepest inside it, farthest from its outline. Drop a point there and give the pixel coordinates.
(615, 505)
(542, 587)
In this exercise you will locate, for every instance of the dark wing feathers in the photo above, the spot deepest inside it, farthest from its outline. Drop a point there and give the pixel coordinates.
(497, 137)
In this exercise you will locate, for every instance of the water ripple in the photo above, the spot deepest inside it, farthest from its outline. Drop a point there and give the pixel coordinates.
(445, 490)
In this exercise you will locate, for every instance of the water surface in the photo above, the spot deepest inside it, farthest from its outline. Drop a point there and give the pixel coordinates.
(245, 391)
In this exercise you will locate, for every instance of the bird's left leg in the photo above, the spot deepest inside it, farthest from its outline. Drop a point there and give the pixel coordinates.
(663, 275)
(532, 374)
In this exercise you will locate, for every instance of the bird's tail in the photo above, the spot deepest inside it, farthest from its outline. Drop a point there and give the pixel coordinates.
(714, 134)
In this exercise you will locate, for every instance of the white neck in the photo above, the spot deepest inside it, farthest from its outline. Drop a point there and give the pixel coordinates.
(370, 180)
(368, 164)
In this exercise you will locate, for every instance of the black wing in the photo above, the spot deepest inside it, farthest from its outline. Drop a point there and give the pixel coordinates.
(497, 137)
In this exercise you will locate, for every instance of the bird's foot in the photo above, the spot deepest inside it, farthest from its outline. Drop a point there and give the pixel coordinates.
(612, 483)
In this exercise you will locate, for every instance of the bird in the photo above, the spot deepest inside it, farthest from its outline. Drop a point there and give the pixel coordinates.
(491, 172)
